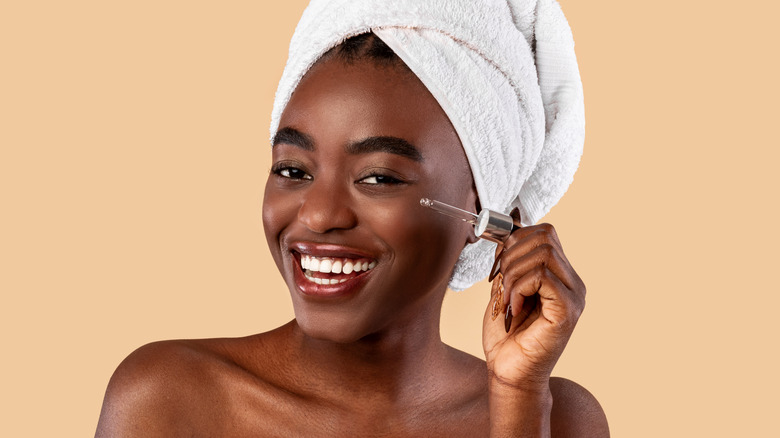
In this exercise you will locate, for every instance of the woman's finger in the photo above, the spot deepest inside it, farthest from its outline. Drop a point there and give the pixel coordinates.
(559, 305)
(534, 234)
(516, 266)
(542, 237)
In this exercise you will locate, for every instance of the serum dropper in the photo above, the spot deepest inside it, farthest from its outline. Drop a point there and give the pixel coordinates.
(488, 224)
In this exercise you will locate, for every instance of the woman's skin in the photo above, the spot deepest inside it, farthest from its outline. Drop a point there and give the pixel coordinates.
(358, 146)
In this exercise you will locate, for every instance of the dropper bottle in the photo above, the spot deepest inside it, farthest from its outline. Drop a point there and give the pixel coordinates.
(488, 224)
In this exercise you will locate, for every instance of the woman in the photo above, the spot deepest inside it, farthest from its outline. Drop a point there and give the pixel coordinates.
(355, 146)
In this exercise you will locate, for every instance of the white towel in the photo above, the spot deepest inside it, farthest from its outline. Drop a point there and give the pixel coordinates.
(505, 74)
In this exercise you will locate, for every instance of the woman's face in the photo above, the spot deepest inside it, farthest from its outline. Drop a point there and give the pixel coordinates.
(358, 146)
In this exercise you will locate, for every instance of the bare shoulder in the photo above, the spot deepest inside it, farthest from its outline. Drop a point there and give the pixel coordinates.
(575, 411)
(162, 387)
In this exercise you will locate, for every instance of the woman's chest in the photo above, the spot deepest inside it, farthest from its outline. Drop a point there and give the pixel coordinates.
(277, 413)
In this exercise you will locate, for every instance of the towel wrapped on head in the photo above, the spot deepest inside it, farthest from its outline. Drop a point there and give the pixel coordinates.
(504, 72)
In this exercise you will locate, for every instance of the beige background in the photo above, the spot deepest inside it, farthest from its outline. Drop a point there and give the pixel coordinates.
(133, 156)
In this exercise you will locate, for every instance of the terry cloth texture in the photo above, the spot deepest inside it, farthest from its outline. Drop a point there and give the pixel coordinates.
(504, 72)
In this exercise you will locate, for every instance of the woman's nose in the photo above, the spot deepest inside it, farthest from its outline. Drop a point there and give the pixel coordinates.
(326, 207)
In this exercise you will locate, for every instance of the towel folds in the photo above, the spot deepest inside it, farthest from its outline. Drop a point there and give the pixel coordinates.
(504, 72)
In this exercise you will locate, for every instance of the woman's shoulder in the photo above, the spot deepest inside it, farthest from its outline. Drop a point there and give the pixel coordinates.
(165, 385)
(575, 411)
(171, 362)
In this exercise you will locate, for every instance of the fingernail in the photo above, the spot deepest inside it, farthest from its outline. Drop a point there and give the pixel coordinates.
(508, 318)
(496, 266)
(515, 213)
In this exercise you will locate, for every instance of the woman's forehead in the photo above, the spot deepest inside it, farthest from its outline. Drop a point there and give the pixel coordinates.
(361, 100)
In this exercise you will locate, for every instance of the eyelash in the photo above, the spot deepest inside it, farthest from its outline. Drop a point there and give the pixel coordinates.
(285, 170)
(282, 168)
(389, 180)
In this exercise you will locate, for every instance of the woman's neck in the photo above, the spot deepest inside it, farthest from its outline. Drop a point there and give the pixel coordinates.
(394, 364)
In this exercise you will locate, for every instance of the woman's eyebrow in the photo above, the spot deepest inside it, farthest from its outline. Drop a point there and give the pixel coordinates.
(391, 145)
(293, 137)
(387, 144)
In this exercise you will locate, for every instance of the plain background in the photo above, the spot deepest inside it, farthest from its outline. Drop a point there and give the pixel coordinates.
(134, 149)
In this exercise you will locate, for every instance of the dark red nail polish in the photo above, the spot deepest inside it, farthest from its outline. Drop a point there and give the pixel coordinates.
(508, 318)
(496, 266)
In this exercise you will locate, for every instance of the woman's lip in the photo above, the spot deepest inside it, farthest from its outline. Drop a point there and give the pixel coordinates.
(329, 250)
(312, 289)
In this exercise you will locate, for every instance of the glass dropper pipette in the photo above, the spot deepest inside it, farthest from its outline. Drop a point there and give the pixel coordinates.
(457, 213)
(488, 224)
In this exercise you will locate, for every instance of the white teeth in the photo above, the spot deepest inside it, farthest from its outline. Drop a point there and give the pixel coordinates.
(328, 265)
(326, 280)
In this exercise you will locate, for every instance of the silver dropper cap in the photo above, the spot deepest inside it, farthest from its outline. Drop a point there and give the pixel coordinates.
(493, 226)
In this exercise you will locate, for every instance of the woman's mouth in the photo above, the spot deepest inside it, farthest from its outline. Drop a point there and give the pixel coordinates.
(330, 270)
(330, 274)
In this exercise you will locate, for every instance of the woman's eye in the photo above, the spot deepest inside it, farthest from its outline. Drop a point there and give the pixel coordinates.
(292, 173)
(380, 179)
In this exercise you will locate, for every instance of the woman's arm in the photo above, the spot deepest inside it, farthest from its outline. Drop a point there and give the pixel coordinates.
(562, 409)
(519, 412)
(545, 297)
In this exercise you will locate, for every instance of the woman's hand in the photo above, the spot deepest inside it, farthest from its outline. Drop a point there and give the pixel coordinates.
(545, 297)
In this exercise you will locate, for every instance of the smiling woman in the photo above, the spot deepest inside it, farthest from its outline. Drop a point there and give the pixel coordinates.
(359, 145)
(360, 140)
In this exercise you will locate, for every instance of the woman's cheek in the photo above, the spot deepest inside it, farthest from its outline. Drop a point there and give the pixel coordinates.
(278, 212)
(418, 238)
